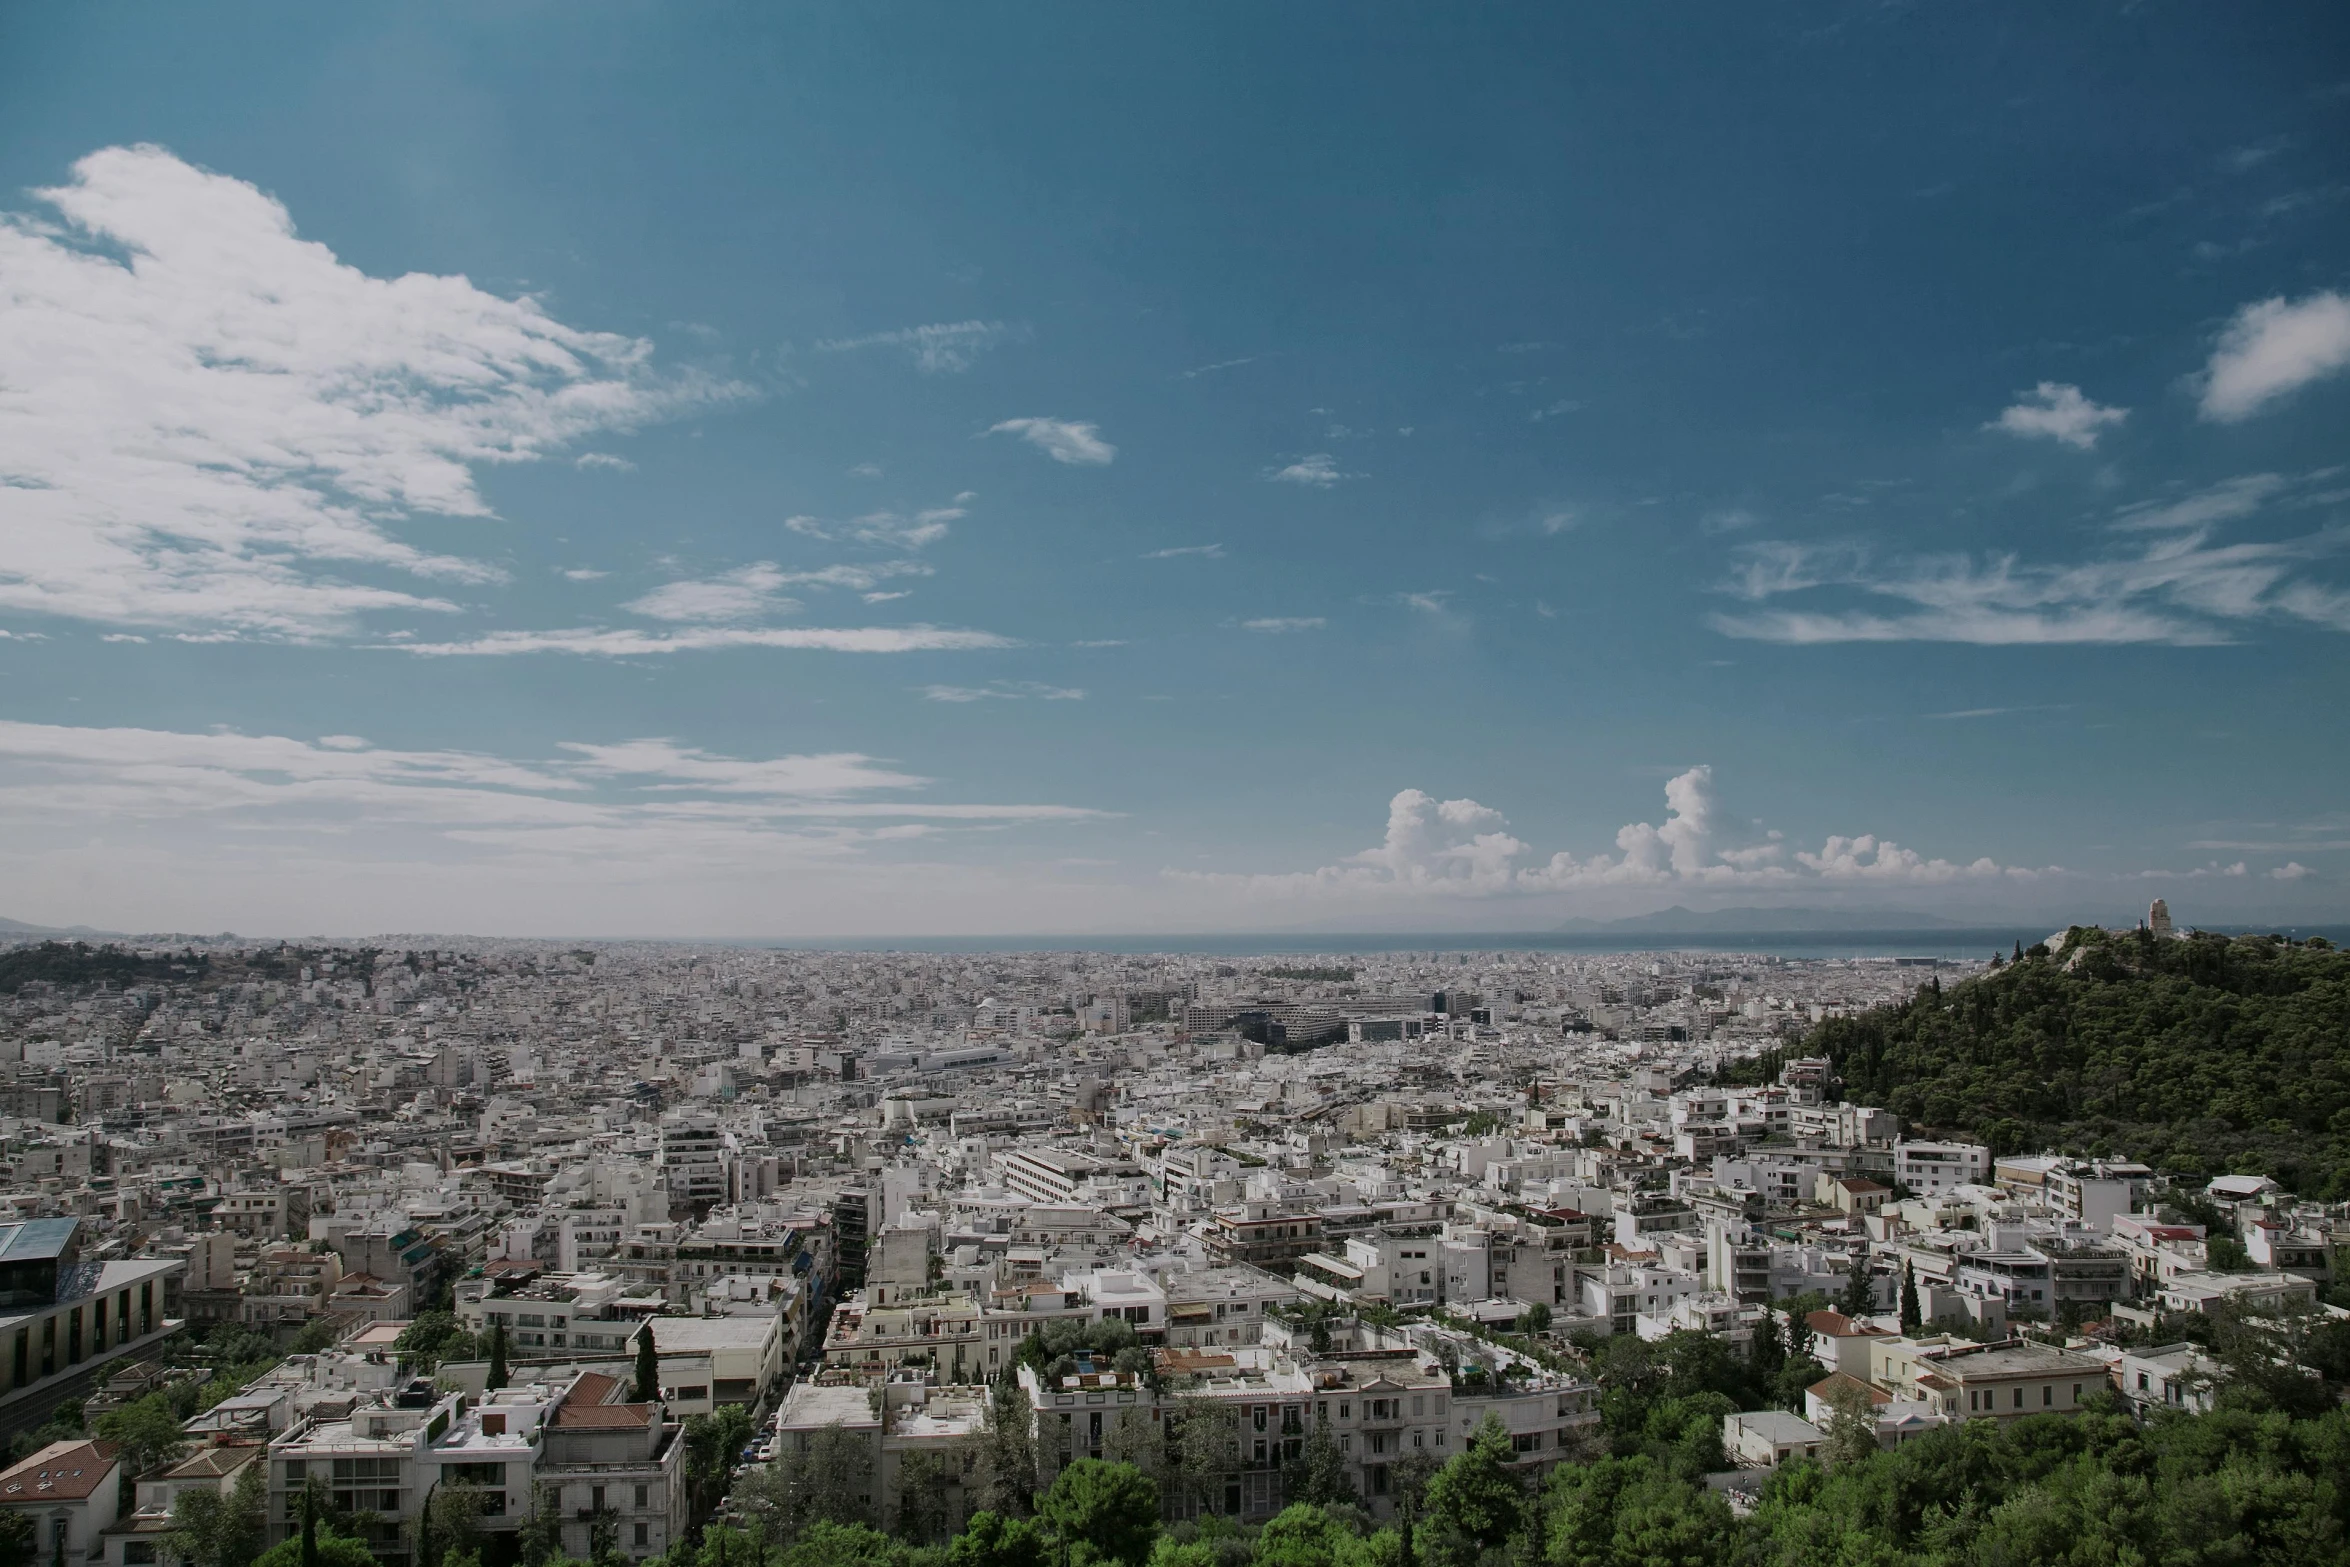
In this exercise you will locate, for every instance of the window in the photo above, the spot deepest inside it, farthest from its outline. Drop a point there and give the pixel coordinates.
(2019, 1398)
(2076, 1392)
(643, 1499)
(2048, 1395)
(644, 1535)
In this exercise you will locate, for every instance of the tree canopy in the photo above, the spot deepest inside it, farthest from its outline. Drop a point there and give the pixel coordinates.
(2204, 1056)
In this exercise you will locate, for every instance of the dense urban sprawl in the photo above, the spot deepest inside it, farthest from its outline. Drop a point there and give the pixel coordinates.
(613, 1252)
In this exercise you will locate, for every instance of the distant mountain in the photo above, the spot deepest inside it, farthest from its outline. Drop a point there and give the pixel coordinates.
(20, 928)
(1679, 921)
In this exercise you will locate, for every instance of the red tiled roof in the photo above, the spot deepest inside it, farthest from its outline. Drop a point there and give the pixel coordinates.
(60, 1472)
(589, 1406)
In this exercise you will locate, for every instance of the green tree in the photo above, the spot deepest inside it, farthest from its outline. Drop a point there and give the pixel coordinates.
(20, 1540)
(1110, 1509)
(333, 1550)
(1003, 1470)
(317, 1336)
(450, 1524)
(1534, 1319)
(1912, 1317)
(1206, 1443)
(212, 1529)
(146, 1430)
(1474, 1503)
(497, 1372)
(925, 1509)
(829, 1479)
(992, 1540)
(712, 1442)
(648, 1366)
(1320, 1474)
(1768, 1351)
(1858, 1297)
(1852, 1424)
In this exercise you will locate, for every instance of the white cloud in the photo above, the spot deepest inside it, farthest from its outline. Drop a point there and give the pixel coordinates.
(2175, 586)
(1317, 470)
(2272, 349)
(2058, 412)
(942, 348)
(883, 529)
(600, 643)
(754, 590)
(884, 598)
(2291, 870)
(1003, 691)
(1278, 624)
(2221, 502)
(1063, 440)
(604, 460)
(1204, 551)
(1554, 410)
(742, 594)
(583, 574)
(207, 423)
(1462, 848)
(214, 808)
(1221, 364)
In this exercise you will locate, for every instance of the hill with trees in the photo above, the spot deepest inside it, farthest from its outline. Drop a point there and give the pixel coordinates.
(2204, 1056)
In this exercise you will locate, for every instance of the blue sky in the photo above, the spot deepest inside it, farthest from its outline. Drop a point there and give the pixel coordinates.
(797, 471)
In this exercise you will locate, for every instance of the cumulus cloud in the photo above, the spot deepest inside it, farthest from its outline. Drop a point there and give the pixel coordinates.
(604, 460)
(2175, 582)
(945, 347)
(1063, 440)
(2057, 412)
(1317, 470)
(597, 642)
(2291, 870)
(1463, 848)
(2272, 349)
(208, 423)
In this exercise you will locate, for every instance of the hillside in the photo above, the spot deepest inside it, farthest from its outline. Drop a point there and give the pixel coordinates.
(2209, 1055)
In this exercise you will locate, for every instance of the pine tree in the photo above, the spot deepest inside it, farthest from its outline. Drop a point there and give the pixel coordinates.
(1911, 1316)
(497, 1377)
(648, 1366)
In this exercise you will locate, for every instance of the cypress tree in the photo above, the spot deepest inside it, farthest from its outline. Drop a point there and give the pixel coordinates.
(309, 1528)
(497, 1376)
(1911, 1316)
(648, 1366)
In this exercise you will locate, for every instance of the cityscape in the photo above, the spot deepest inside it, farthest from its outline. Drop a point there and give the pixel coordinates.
(1252, 783)
(604, 1250)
